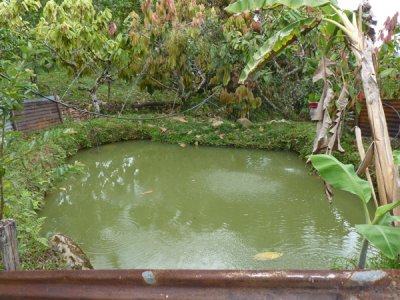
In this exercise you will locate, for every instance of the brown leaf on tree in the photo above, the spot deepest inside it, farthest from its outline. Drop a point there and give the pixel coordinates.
(112, 29)
(335, 131)
(321, 140)
(328, 192)
(323, 71)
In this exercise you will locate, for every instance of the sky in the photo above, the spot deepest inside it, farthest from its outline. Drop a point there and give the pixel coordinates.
(381, 8)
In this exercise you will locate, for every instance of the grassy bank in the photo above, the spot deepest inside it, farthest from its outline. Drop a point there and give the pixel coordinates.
(41, 160)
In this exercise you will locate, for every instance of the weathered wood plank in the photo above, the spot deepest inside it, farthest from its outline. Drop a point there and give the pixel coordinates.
(9, 245)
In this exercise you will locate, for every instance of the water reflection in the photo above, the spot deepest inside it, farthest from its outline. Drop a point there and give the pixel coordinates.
(149, 205)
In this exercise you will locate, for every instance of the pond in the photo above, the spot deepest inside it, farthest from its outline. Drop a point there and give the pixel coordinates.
(147, 205)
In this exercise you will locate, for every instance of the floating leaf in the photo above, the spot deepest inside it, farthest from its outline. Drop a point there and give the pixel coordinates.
(183, 145)
(268, 255)
(146, 193)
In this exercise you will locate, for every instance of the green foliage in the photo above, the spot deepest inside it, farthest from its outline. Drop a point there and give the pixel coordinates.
(382, 262)
(341, 176)
(380, 234)
(240, 103)
(384, 238)
(249, 5)
(119, 9)
(76, 32)
(12, 12)
(276, 44)
(396, 157)
(389, 62)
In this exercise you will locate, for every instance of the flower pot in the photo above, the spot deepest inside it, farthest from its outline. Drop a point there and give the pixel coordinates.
(313, 109)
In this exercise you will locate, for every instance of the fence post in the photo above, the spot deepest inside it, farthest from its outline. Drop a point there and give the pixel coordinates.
(9, 245)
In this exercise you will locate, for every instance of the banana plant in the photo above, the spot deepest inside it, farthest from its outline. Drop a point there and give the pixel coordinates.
(362, 48)
(377, 231)
(284, 37)
(276, 43)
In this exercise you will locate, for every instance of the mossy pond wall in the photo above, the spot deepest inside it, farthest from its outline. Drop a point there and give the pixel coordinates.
(147, 205)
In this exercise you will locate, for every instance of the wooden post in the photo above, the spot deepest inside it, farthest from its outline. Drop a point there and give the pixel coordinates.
(9, 245)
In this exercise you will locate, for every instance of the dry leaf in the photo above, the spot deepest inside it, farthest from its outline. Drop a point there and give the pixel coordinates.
(189, 132)
(163, 129)
(217, 123)
(151, 125)
(198, 136)
(324, 124)
(323, 71)
(268, 255)
(221, 136)
(180, 119)
(261, 129)
(183, 145)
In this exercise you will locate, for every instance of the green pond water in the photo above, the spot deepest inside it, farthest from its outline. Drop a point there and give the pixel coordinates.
(149, 205)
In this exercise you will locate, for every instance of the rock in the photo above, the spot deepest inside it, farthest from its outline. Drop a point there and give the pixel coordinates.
(216, 123)
(70, 252)
(244, 122)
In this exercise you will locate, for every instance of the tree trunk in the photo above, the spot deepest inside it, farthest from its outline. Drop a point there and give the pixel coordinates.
(95, 100)
(387, 177)
(9, 245)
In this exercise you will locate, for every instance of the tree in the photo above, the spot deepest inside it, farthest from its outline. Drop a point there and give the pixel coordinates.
(84, 40)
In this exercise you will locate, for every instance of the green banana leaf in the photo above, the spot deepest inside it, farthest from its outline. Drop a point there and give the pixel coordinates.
(249, 5)
(341, 176)
(381, 211)
(385, 238)
(277, 43)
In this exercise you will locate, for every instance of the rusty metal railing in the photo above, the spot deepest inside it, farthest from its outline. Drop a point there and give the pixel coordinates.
(200, 284)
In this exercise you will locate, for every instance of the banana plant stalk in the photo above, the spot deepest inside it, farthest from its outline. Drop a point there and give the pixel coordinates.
(362, 47)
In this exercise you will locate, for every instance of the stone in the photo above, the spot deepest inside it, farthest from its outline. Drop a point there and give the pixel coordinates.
(70, 252)
(245, 122)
